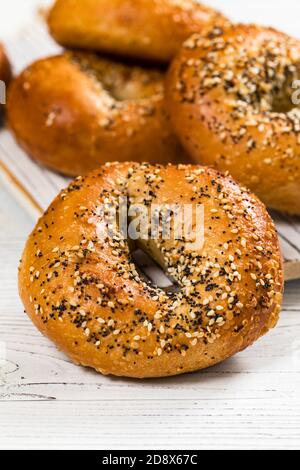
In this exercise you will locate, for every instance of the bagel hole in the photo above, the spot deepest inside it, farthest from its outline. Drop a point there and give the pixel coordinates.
(283, 94)
(151, 272)
(282, 101)
(122, 81)
(127, 89)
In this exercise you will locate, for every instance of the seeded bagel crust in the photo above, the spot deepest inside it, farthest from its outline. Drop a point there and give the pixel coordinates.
(230, 95)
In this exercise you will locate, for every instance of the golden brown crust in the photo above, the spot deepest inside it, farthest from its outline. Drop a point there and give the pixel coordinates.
(81, 289)
(230, 99)
(76, 111)
(146, 29)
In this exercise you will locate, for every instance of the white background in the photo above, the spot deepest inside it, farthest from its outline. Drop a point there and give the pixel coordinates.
(250, 401)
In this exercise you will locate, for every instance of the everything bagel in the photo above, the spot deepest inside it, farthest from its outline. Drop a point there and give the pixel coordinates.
(230, 98)
(81, 288)
(77, 111)
(145, 29)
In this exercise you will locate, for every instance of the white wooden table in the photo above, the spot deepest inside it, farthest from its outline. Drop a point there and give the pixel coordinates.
(250, 401)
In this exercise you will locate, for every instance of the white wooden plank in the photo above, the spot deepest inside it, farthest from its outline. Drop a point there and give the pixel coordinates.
(174, 424)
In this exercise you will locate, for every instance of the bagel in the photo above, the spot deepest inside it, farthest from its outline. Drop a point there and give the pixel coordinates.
(230, 99)
(76, 111)
(145, 29)
(81, 288)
